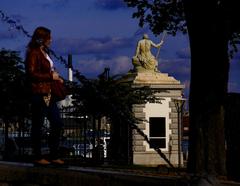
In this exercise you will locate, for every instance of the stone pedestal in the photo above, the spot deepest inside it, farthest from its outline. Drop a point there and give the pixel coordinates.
(163, 114)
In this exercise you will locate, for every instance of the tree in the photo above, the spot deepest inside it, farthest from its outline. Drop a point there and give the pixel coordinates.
(13, 95)
(110, 97)
(211, 25)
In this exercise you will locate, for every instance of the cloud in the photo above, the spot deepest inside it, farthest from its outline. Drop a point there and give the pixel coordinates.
(236, 56)
(233, 87)
(141, 31)
(107, 45)
(179, 67)
(52, 4)
(110, 4)
(10, 34)
(17, 17)
(234, 80)
(186, 83)
(93, 67)
(11, 26)
(184, 53)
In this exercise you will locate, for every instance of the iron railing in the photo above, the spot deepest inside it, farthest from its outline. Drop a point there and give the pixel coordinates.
(81, 139)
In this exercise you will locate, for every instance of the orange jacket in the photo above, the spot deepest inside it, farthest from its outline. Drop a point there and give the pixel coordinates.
(38, 71)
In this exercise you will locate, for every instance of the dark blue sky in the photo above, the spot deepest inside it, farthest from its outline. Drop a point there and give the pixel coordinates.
(99, 34)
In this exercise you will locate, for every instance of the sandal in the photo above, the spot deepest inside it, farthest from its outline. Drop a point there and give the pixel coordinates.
(58, 162)
(41, 162)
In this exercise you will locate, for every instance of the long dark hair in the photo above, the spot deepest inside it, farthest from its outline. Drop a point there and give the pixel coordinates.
(39, 37)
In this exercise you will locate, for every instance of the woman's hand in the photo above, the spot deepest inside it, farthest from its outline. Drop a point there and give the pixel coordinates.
(57, 77)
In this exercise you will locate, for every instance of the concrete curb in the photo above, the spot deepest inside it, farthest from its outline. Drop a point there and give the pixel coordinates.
(25, 174)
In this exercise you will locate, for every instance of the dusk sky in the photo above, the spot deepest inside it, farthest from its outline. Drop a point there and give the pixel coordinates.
(99, 34)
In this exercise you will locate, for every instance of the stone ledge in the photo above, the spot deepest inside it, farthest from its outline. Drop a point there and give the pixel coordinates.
(25, 174)
(148, 77)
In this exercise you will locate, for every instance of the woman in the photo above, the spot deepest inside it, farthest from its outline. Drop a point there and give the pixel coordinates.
(41, 74)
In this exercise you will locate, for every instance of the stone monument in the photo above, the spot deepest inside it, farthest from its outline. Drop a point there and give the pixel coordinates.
(144, 60)
(161, 119)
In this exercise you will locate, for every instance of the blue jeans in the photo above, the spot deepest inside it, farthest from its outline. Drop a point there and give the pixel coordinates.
(39, 112)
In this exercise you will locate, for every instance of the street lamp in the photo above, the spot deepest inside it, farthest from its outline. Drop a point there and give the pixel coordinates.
(179, 102)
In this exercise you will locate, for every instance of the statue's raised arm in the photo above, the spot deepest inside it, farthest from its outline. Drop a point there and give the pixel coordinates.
(144, 60)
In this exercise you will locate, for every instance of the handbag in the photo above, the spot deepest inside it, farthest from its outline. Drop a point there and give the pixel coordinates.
(58, 90)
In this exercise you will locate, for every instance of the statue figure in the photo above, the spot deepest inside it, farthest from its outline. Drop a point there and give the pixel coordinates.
(144, 59)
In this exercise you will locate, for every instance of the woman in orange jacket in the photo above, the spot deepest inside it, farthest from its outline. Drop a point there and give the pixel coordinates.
(39, 69)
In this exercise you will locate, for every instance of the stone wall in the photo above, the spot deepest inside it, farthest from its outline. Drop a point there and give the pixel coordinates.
(167, 88)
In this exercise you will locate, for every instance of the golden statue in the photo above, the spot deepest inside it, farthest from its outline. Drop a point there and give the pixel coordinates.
(144, 59)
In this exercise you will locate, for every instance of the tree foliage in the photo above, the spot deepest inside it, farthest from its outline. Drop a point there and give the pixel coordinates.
(13, 95)
(113, 98)
(160, 15)
(170, 15)
(109, 97)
